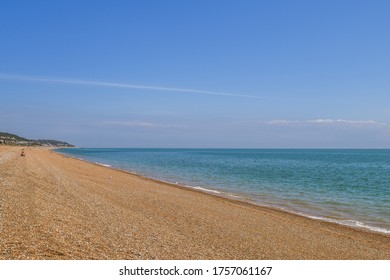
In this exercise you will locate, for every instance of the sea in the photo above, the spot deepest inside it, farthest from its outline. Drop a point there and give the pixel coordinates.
(350, 187)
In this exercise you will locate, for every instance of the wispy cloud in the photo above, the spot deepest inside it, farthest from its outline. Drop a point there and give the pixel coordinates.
(121, 85)
(322, 122)
(141, 124)
(348, 122)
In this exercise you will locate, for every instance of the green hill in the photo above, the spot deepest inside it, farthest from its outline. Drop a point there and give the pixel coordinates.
(12, 139)
(5, 135)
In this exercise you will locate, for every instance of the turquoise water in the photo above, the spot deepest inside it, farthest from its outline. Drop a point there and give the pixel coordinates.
(351, 187)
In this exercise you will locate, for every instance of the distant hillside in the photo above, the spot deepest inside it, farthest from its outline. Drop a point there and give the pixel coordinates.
(53, 143)
(12, 139)
(4, 135)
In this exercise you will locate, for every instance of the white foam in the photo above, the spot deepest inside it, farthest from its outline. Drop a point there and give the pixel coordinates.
(351, 223)
(206, 190)
(102, 164)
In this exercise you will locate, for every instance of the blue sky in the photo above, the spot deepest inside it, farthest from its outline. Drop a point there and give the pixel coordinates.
(264, 74)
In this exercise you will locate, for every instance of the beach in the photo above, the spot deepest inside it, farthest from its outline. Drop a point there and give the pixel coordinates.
(56, 207)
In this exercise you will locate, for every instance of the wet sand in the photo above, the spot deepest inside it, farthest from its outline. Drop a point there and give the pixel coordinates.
(53, 207)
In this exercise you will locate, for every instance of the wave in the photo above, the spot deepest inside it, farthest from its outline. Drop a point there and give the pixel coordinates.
(350, 223)
(205, 190)
(103, 164)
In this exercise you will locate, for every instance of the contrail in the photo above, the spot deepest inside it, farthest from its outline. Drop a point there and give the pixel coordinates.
(120, 85)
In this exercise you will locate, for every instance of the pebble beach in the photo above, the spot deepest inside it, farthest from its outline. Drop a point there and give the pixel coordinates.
(56, 207)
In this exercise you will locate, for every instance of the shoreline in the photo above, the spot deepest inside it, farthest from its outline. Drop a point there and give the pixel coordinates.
(57, 207)
(237, 197)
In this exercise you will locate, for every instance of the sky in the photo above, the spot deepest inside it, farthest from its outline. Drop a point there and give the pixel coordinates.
(197, 74)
